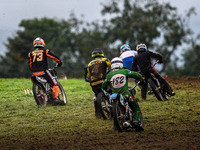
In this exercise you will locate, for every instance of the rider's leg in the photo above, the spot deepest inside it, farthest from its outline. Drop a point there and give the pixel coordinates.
(55, 91)
(95, 90)
(144, 91)
(138, 124)
(54, 84)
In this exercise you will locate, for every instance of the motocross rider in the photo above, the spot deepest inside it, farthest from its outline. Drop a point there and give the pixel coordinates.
(39, 66)
(117, 78)
(144, 61)
(127, 55)
(95, 73)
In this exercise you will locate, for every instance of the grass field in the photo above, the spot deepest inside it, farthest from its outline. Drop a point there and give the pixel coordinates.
(173, 124)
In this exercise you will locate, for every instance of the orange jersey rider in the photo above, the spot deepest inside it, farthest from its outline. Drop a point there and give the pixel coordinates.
(39, 66)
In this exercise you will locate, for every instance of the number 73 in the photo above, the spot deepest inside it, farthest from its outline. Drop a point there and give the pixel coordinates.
(38, 56)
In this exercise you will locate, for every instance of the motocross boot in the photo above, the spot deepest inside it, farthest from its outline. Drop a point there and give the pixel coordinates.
(138, 127)
(97, 113)
(137, 124)
(55, 91)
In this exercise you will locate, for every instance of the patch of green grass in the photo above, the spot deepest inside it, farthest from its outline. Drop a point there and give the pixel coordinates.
(24, 125)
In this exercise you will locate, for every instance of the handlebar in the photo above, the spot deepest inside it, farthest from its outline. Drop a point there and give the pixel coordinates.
(136, 84)
(55, 66)
(156, 62)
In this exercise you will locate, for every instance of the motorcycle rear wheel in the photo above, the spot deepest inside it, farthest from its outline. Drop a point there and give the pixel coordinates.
(39, 95)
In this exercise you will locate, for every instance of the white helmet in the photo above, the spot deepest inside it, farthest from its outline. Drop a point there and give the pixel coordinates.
(38, 42)
(141, 47)
(116, 63)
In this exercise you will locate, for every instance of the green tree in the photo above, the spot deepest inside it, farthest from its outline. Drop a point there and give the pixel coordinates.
(191, 59)
(72, 40)
(15, 62)
(158, 25)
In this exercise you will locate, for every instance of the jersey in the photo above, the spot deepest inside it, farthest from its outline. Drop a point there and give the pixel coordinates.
(38, 59)
(127, 58)
(96, 70)
(119, 80)
(144, 61)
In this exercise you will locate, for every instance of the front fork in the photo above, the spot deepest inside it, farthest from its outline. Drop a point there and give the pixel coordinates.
(128, 112)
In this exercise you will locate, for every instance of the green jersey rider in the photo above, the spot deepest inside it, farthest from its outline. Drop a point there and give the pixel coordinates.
(117, 78)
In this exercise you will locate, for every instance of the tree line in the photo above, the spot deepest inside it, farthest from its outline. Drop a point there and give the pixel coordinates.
(158, 25)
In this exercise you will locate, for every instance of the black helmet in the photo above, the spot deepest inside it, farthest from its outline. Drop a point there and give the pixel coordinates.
(97, 53)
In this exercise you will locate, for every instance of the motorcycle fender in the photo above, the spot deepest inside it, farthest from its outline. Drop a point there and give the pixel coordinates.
(35, 81)
(122, 100)
(113, 97)
(104, 92)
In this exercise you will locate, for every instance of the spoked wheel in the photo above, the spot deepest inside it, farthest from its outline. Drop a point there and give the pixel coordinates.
(39, 95)
(104, 106)
(62, 96)
(165, 96)
(156, 90)
(118, 115)
(149, 89)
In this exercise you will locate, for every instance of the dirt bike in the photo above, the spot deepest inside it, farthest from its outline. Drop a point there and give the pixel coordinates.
(104, 104)
(42, 91)
(122, 113)
(155, 87)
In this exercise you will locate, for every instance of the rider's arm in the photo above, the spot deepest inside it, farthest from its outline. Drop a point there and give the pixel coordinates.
(107, 62)
(87, 74)
(156, 55)
(30, 61)
(54, 57)
(134, 65)
(105, 84)
(135, 75)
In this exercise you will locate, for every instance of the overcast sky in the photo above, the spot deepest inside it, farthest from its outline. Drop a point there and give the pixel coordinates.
(12, 12)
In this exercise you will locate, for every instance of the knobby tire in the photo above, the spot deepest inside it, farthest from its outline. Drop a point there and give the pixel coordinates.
(118, 115)
(104, 111)
(155, 89)
(62, 95)
(40, 99)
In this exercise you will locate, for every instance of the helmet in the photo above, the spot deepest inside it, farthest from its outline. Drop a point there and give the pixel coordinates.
(97, 53)
(116, 63)
(124, 48)
(141, 47)
(38, 42)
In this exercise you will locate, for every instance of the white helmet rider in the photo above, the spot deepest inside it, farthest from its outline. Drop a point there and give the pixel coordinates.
(116, 63)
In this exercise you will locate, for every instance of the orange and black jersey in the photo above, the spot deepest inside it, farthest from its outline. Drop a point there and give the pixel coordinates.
(38, 59)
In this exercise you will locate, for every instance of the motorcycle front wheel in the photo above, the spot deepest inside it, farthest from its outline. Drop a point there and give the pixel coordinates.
(156, 90)
(62, 96)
